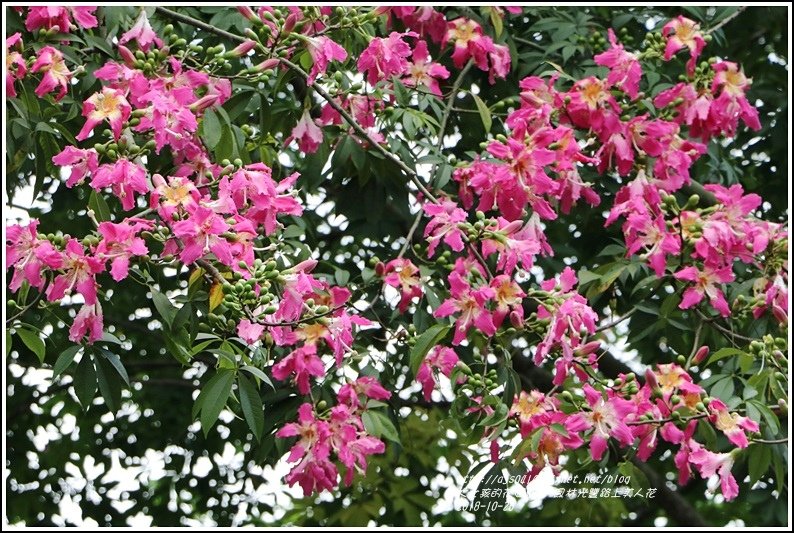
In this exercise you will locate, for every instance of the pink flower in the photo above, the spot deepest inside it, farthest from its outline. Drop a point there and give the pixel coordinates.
(591, 104)
(423, 72)
(470, 303)
(444, 225)
(82, 163)
(306, 132)
(119, 243)
(465, 33)
(710, 463)
(500, 60)
(79, 271)
(171, 116)
(314, 472)
(732, 103)
(533, 410)
(323, 50)
(298, 284)
(706, 281)
(366, 386)
(404, 276)
(173, 195)
(552, 444)
(249, 331)
(424, 20)
(28, 255)
(87, 322)
(567, 320)
(624, 67)
(681, 33)
(440, 359)
(109, 105)
(56, 74)
(653, 237)
(58, 17)
(385, 57)
(515, 243)
(731, 424)
(302, 363)
(201, 233)
(253, 190)
(16, 67)
(508, 297)
(142, 32)
(125, 178)
(607, 417)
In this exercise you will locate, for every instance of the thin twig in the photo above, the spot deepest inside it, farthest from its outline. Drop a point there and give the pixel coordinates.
(773, 441)
(723, 329)
(616, 321)
(726, 20)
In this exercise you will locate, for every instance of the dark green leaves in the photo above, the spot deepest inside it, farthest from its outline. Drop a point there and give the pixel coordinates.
(379, 425)
(34, 343)
(434, 335)
(485, 113)
(64, 360)
(251, 403)
(163, 306)
(213, 397)
(85, 381)
(211, 129)
(97, 204)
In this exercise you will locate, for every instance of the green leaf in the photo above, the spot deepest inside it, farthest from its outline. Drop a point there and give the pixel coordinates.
(115, 361)
(8, 342)
(163, 306)
(434, 335)
(379, 425)
(97, 204)
(723, 389)
(108, 384)
(33, 342)
(85, 383)
(258, 373)
(759, 461)
(723, 353)
(485, 113)
(559, 428)
(251, 402)
(213, 398)
(64, 360)
(211, 128)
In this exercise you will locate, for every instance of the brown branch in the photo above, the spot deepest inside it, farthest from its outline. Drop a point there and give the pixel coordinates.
(726, 20)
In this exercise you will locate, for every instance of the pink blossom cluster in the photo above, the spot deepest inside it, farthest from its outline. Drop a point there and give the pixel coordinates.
(667, 406)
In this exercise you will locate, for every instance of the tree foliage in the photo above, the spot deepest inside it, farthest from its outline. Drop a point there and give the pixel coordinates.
(380, 233)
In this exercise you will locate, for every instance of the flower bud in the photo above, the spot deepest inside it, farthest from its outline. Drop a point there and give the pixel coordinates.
(650, 379)
(701, 355)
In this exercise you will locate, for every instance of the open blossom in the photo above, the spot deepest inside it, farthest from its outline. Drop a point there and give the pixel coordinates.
(110, 105)
(314, 471)
(508, 298)
(731, 104)
(125, 178)
(78, 273)
(590, 103)
(624, 67)
(470, 303)
(28, 255)
(307, 134)
(682, 32)
(365, 386)
(200, 234)
(706, 284)
(515, 242)
(350, 442)
(172, 195)
(385, 57)
(533, 410)
(566, 322)
(403, 275)
(59, 17)
(168, 114)
(88, 322)
(470, 43)
(732, 425)
(652, 237)
(16, 68)
(423, 72)
(440, 359)
(444, 225)
(322, 51)
(607, 417)
(82, 163)
(553, 443)
(55, 73)
(710, 463)
(303, 363)
(424, 20)
(120, 242)
(249, 331)
(141, 32)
